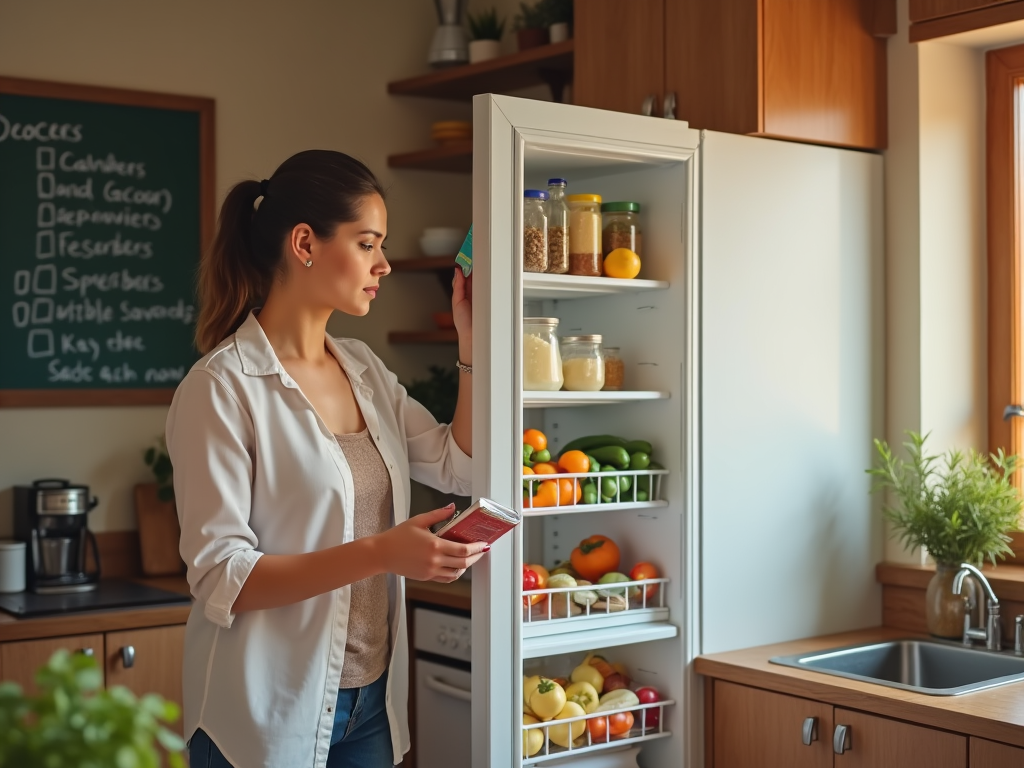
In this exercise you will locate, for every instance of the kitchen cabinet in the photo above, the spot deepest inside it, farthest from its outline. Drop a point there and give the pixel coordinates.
(992, 754)
(19, 661)
(788, 69)
(147, 661)
(924, 10)
(751, 726)
(930, 19)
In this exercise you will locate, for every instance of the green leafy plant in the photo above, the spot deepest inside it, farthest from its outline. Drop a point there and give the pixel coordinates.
(531, 17)
(73, 723)
(960, 507)
(556, 11)
(158, 460)
(438, 393)
(486, 25)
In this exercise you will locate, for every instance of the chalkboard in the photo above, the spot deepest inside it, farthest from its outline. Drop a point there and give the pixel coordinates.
(106, 202)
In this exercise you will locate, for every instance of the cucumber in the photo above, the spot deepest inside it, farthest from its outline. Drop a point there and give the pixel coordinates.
(639, 445)
(592, 441)
(615, 455)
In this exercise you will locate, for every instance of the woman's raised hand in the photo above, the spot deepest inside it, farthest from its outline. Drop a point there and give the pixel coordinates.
(412, 551)
(462, 310)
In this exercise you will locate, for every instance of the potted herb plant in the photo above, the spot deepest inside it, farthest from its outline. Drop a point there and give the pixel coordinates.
(959, 507)
(486, 30)
(74, 722)
(558, 15)
(157, 517)
(531, 26)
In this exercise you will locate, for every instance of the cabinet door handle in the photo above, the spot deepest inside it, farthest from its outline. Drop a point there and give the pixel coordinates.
(85, 651)
(128, 656)
(841, 741)
(669, 112)
(810, 731)
(647, 109)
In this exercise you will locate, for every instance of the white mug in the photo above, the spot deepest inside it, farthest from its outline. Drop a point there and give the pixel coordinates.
(12, 566)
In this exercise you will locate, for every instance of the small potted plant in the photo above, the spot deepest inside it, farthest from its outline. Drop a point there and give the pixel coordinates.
(486, 30)
(558, 15)
(531, 26)
(156, 515)
(959, 507)
(73, 721)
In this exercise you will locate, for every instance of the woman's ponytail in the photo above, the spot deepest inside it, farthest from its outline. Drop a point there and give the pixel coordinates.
(320, 188)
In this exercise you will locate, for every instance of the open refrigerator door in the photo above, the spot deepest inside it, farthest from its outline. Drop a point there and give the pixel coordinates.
(639, 636)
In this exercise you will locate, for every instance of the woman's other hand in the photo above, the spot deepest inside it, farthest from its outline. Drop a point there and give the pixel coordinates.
(462, 310)
(412, 551)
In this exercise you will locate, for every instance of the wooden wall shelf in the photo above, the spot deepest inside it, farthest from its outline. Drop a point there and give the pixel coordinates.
(447, 336)
(551, 64)
(424, 264)
(456, 157)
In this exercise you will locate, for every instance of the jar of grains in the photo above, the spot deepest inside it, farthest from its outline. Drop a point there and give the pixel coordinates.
(535, 230)
(558, 228)
(542, 363)
(614, 369)
(582, 363)
(585, 235)
(621, 227)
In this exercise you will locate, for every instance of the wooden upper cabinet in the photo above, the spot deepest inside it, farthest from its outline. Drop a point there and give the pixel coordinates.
(877, 742)
(753, 727)
(992, 754)
(924, 10)
(619, 55)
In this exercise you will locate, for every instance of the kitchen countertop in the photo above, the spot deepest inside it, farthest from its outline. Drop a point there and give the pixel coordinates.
(996, 714)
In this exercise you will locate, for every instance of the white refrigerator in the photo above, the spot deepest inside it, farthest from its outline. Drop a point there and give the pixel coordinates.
(753, 345)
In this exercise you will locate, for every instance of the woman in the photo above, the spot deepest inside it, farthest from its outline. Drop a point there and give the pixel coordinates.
(292, 456)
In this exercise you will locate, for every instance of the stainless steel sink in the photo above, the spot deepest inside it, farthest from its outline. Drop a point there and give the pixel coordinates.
(922, 666)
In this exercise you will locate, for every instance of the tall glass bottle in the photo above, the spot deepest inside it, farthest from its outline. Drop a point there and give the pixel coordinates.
(558, 227)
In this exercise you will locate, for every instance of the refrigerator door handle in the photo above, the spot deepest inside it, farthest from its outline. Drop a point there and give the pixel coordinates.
(669, 112)
(647, 108)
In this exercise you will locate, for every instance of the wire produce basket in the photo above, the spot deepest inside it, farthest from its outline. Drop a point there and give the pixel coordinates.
(545, 494)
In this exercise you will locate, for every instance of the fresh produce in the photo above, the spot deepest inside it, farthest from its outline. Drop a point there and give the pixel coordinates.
(622, 263)
(547, 699)
(562, 735)
(560, 581)
(527, 455)
(613, 455)
(639, 445)
(615, 682)
(639, 460)
(620, 723)
(617, 578)
(585, 673)
(564, 567)
(598, 727)
(584, 596)
(541, 455)
(648, 695)
(584, 694)
(643, 571)
(541, 574)
(601, 665)
(529, 686)
(533, 739)
(620, 698)
(544, 468)
(595, 556)
(574, 461)
(546, 496)
(592, 441)
(535, 439)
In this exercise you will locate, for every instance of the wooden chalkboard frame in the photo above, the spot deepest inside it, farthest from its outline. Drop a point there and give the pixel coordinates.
(20, 398)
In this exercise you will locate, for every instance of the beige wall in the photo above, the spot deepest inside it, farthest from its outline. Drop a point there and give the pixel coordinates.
(286, 77)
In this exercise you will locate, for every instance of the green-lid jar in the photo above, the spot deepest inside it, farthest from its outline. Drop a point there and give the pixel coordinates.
(621, 227)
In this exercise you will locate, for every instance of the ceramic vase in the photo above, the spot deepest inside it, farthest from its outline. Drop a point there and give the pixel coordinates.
(559, 32)
(482, 50)
(531, 38)
(944, 611)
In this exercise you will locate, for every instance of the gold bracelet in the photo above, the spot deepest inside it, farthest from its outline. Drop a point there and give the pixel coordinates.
(463, 367)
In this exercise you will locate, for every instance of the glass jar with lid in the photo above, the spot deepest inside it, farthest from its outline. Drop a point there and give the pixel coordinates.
(585, 235)
(614, 369)
(558, 228)
(542, 363)
(582, 363)
(621, 227)
(535, 230)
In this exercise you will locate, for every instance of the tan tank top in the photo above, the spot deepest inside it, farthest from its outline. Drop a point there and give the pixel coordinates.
(368, 646)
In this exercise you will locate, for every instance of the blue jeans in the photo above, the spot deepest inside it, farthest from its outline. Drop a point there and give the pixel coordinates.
(361, 737)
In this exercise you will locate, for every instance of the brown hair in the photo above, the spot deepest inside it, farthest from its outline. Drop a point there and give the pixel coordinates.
(317, 187)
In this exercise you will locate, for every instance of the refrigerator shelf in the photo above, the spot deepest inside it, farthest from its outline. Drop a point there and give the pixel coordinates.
(623, 499)
(553, 613)
(540, 285)
(577, 508)
(589, 639)
(585, 744)
(562, 399)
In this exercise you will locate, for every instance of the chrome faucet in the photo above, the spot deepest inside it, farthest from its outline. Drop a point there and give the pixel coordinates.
(992, 631)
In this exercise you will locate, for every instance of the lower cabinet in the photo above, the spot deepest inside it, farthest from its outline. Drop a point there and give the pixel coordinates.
(20, 660)
(754, 728)
(992, 754)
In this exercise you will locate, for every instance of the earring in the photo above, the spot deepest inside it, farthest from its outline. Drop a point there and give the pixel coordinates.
(309, 262)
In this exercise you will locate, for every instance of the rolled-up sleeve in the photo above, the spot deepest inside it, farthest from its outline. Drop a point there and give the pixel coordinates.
(435, 459)
(209, 439)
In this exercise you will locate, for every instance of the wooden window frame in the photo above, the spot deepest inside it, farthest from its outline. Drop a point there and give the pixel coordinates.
(1004, 75)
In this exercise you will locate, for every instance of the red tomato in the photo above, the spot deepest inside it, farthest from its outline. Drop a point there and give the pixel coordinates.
(620, 723)
(598, 728)
(645, 571)
(648, 695)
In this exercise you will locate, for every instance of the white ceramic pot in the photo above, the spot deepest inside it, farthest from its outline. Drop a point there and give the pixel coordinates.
(482, 50)
(558, 33)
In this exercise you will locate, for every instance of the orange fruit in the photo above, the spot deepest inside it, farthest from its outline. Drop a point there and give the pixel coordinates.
(574, 461)
(535, 438)
(547, 494)
(528, 471)
(569, 492)
(545, 468)
(622, 262)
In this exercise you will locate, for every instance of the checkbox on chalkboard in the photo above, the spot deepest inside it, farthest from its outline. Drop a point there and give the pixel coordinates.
(40, 342)
(46, 159)
(42, 311)
(45, 245)
(46, 215)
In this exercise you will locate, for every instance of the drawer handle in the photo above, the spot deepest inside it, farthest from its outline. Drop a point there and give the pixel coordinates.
(85, 652)
(439, 686)
(841, 741)
(647, 108)
(810, 731)
(128, 656)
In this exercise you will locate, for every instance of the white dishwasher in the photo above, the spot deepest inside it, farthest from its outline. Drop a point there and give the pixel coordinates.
(441, 653)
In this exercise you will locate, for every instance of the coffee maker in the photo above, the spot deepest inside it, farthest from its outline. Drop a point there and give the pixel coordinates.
(50, 516)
